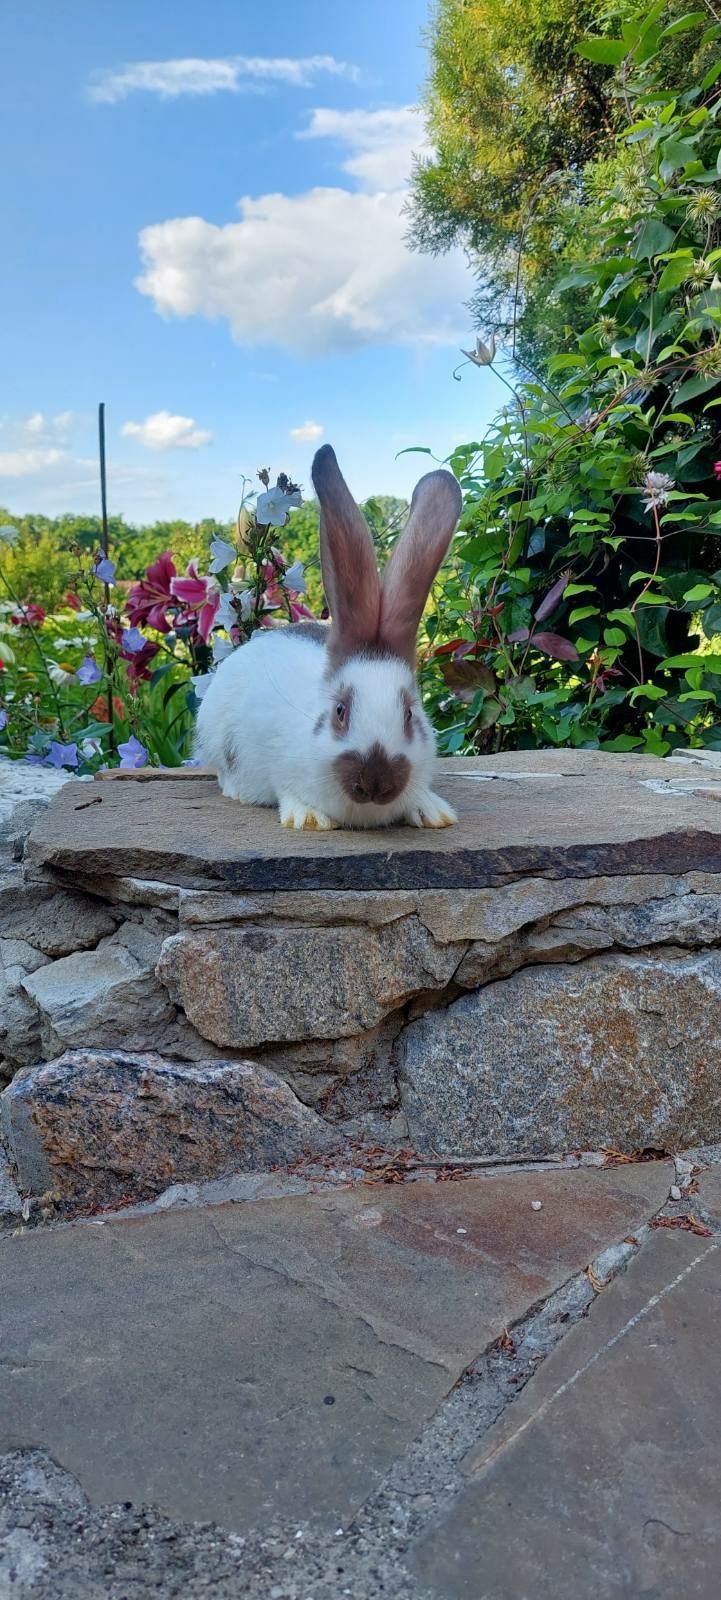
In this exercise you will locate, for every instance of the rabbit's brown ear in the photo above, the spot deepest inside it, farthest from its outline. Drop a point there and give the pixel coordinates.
(435, 509)
(348, 561)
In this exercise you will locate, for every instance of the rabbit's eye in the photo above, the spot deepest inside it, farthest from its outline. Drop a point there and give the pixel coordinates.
(340, 711)
(409, 713)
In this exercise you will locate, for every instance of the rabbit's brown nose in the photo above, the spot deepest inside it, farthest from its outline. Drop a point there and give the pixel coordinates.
(369, 785)
(374, 778)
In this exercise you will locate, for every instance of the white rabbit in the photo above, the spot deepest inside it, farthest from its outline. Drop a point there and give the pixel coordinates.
(324, 720)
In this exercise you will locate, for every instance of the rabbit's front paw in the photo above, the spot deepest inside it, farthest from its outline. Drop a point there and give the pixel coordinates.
(431, 812)
(296, 814)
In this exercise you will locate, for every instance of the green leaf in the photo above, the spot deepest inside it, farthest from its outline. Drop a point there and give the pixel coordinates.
(653, 237)
(581, 614)
(580, 588)
(652, 630)
(174, 687)
(577, 278)
(607, 52)
(712, 621)
(700, 591)
(490, 713)
(692, 19)
(675, 153)
(559, 363)
(614, 636)
(624, 616)
(161, 672)
(646, 48)
(689, 453)
(675, 270)
(652, 16)
(635, 129)
(710, 663)
(695, 386)
(647, 691)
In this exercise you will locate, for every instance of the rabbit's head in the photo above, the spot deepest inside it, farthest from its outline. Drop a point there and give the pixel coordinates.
(371, 733)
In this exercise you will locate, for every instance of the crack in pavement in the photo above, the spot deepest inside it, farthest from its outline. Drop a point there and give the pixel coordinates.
(621, 1333)
(345, 1305)
(126, 1552)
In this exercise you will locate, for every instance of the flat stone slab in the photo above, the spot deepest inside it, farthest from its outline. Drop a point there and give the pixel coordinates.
(275, 1358)
(603, 1477)
(556, 813)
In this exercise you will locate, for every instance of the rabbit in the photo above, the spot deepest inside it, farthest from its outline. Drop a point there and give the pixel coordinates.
(325, 720)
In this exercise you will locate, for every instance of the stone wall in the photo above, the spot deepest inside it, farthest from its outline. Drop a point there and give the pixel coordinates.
(536, 1015)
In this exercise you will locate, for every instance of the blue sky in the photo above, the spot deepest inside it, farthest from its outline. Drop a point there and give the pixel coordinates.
(202, 209)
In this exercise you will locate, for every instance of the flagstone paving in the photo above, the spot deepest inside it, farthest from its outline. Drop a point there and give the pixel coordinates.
(264, 1399)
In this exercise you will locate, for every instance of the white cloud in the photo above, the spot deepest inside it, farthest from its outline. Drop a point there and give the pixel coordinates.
(325, 270)
(34, 424)
(206, 75)
(382, 143)
(162, 431)
(308, 432)
(39, 426)
(24, 463)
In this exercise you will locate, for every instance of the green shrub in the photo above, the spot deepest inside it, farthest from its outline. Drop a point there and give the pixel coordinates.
(583, 600)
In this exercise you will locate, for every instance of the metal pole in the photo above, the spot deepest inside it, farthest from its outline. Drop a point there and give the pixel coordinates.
(104, 514)
(103, 479)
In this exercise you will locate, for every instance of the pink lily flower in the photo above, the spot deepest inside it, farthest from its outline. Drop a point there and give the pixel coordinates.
(199, 594)
(148, 601)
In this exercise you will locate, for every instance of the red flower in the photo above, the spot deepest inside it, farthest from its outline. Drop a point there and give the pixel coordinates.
(199, 594)
(99, 708)
(138, 663)
(717, 469)
(73, 602)
(30, 615)
(148, 601)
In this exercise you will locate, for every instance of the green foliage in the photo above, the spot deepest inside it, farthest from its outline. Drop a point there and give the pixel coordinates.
(583, 602)
(39, 567)
(517, 108)
(44, 563)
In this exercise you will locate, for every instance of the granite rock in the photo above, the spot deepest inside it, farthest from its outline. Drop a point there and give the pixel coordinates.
(621, 1051)
(272, 983)
(111, 997)
(104, 1127)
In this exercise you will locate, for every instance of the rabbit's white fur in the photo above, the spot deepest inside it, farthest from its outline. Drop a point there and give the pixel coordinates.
(257, 728)
(270, 723)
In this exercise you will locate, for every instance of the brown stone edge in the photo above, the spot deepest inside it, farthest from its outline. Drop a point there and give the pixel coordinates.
(675, 853)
